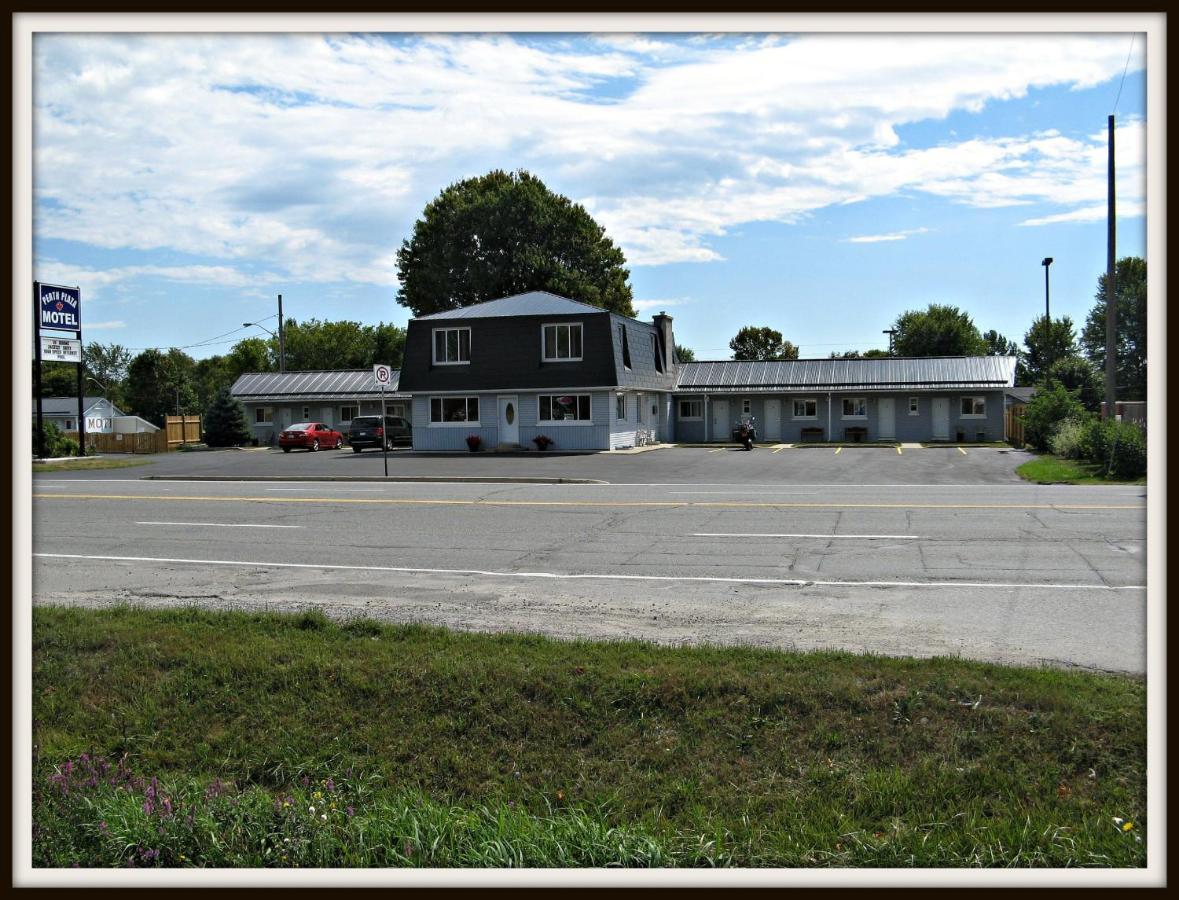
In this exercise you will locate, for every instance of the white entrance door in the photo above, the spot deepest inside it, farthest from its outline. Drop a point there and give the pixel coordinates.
(509, 420)
(721, 426)
(773, 424)
(888, 419)
(941, 418)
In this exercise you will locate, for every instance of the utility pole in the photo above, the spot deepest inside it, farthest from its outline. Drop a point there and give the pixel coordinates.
(890, 332)
(282, 353)
(1111, 295)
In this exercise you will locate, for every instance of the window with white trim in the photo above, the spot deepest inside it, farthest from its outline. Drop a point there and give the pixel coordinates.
(561, 343)
(263, 415)
(620, 407)
(445, 410)
(806, 408)
(855, 408)
(348, 413)
(974, 407)
(691, 409)
(913, 406)
(563, 408)
(452, 346)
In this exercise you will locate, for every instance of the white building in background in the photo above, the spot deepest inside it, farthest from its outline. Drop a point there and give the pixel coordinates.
(99, 414)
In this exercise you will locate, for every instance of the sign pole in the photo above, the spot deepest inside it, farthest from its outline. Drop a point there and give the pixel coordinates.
(81, 392)
(384, 436)
(37, 343)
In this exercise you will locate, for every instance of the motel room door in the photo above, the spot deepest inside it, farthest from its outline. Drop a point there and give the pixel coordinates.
(509, 420)
(941, 418)
(773, 423)
(721, 426)
(888, 419)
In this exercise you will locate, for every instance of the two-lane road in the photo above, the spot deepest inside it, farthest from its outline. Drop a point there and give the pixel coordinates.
(1014, 573)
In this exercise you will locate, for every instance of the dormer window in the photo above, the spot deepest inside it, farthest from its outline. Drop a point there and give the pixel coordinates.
(625, 345)
(561, 343)
(655, 352)
(452, 346)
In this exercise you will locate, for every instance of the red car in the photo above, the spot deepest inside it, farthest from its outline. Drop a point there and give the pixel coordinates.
(310, 436)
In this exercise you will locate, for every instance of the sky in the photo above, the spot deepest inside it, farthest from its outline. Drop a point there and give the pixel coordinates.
(819, 184)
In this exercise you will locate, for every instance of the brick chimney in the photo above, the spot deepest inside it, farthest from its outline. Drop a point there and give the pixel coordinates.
(667, 339)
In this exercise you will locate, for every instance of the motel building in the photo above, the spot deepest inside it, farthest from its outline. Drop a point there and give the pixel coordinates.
(533, 364)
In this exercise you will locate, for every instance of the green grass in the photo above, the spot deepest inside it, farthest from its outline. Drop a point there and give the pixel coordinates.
(457, 749)
(82, 464)
(1049, 469)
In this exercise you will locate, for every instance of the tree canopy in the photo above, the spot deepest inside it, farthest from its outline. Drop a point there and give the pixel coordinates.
(684, 354)
(316, 344)
(506, 233)
(1046, 344)
(1130, 276)
(161, 384)
(759, 343)
(1078, 376)
(937, 331)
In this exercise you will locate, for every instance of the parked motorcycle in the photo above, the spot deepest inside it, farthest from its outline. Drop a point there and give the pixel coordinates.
(745, 433)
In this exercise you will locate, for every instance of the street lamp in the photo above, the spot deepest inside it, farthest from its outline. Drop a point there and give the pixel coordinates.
(282, 357)
(1047, 261)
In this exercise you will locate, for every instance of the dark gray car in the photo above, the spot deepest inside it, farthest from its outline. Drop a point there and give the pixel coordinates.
(366, 431)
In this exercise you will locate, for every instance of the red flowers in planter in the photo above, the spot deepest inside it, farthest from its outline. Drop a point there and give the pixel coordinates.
(474, 442)
(543, 442)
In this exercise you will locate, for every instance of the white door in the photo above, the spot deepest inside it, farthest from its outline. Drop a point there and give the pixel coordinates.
(509, 420)
(941, 418)
(773, 425)
(721, 426)
(888, 419)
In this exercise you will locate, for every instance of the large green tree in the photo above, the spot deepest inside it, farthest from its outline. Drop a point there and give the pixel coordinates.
(105, 368)
(755, 343)
(506, 233)
(161, 384)
(1044, 344)
(937, 331)
(315, 344)
(1130, 287)
(684, 354)
(1078, 376)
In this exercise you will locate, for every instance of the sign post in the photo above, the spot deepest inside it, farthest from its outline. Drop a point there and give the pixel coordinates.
(59, 308)
(384, 376)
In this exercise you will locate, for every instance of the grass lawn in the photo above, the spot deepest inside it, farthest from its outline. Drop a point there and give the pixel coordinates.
(83, 463)
(192, 737)
(1049, 469)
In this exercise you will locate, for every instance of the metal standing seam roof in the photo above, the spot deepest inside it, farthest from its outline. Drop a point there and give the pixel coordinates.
(938, 372)
(335, 384)
(67, 406)
(532, 303)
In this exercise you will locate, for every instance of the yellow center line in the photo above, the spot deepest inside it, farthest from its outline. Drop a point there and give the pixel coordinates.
(838, 450)
(730, 504)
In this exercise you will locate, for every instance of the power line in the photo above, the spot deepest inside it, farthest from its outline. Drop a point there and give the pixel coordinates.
(1125, 69)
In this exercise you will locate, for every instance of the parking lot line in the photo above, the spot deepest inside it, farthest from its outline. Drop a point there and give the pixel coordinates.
(960, 450)
(898, 451)
(717, 450)
(838, 450)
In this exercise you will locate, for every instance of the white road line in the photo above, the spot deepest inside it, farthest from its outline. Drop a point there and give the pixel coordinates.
(754, 493)
(219, 524)
(558, 576)
(868, 537)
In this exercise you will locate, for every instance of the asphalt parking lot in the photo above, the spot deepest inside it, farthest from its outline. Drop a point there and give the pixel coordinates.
(670, 465)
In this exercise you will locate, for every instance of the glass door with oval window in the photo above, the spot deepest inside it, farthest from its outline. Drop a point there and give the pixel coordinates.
(509, 420)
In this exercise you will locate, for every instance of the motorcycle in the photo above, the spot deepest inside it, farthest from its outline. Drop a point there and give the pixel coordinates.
(745, 433)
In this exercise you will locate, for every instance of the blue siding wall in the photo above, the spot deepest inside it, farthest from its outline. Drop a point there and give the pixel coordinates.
(593, 435)
(914, 429)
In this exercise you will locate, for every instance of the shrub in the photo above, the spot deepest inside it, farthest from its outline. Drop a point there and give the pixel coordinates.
(56, 442)
(1070, 438)
(1118, 447)
(542, 441)
(1044, 413)
(473, 442)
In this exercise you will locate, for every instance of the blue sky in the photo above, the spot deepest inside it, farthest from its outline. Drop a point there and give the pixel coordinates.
(818, 184)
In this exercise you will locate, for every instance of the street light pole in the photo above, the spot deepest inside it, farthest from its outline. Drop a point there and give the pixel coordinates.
(282, 353)
(890, 332)
(1047, 261)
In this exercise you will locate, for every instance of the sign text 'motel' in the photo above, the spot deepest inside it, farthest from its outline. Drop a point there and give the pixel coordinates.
(60, 307)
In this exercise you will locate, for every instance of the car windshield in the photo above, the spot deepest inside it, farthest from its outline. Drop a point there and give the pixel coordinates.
(366, 420)
(302, 426)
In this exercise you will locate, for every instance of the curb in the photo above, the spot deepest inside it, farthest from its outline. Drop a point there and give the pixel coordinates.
(465, 479)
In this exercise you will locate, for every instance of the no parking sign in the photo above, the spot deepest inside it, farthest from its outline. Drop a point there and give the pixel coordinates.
(383, 375)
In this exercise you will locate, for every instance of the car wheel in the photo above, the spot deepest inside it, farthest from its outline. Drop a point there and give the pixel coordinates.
(355, 449)
(315, 445)
(286, 449)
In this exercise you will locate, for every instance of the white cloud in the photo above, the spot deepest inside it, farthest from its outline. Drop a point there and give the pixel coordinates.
(310, 156)
(91, 326)
(891, 236)
(644, 305)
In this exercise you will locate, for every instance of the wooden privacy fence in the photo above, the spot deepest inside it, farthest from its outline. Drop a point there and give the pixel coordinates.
(1013, 423)
(182, 430)
(177, 430)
